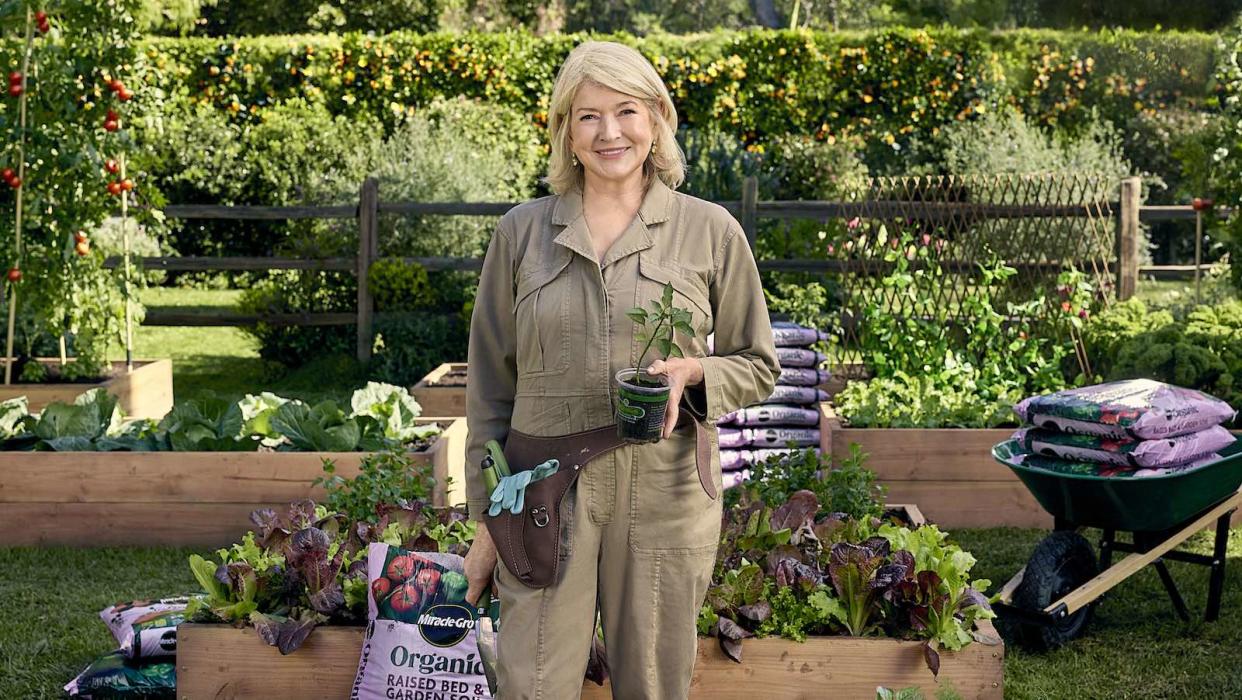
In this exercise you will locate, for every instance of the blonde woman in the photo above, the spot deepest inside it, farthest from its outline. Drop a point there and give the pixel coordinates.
(548, 334)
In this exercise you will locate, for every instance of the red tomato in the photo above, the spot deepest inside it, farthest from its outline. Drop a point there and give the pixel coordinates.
(15, 77)
(15, 275)
(15, 182)
(82, 248)
(380, 587)
(127, 184)
(111, 125)
(15, 90)
(405, 598)
(79, 237)
(7, 174)
(115, 85)
(111, 166)
(401, 568)
(40, 16)
(114, 188)
(427, 580)
(124, 95)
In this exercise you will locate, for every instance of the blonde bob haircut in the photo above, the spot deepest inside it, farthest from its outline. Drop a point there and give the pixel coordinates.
(621, 68)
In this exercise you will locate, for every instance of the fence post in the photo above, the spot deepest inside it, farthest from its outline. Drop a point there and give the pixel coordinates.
(1128, 238)
(368, 250)
(750, 197)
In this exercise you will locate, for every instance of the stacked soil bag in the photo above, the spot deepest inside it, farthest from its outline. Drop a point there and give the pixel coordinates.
(1133, 428)
(143, 666)
(790, 415)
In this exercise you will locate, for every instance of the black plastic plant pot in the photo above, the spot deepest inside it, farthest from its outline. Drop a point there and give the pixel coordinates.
(641, 404)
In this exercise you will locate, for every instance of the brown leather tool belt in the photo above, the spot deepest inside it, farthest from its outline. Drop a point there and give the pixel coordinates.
(530, 543)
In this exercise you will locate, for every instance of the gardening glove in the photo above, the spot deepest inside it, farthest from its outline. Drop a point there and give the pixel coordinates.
(511, 491)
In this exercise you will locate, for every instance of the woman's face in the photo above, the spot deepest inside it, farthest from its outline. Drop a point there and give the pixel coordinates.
(610, 132)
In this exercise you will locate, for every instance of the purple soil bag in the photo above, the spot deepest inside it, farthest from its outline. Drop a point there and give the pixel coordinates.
(802, 376)
(763, 455)
(799, 357)
(805, 395)
(733, 479)
(1087, 468)
(778, 437)
(729, 418)
(776, 415)
(797, 337)
(1138, 408)
(1125, 452)
(732, 460)
(731, 437)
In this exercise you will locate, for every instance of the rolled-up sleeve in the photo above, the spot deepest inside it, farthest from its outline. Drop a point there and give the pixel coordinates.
(491, 373)
(743, 368)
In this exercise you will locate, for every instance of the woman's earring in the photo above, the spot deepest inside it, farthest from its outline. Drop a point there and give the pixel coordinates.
(574, 158)
(654, 150)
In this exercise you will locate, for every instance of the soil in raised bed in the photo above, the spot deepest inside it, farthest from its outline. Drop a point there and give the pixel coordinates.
(53, 375)
(455, 377)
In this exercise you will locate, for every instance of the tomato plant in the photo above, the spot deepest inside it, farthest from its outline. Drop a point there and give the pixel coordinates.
(65, 139)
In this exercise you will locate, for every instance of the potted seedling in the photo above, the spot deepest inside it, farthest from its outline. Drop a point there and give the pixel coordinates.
(642, 400)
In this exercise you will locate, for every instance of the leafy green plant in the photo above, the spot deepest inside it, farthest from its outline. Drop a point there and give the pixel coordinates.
(307, 566)
(383, 417)
(848, 488)
(387, 477)
(659, 325)
(804, 574)
(964, 369)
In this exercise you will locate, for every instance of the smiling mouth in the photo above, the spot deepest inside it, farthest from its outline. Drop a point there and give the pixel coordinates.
(613, 151)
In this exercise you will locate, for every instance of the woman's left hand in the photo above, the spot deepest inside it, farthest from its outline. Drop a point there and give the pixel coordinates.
(681, 372)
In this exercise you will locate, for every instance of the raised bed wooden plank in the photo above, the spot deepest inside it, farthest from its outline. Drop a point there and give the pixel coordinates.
(147, 392)
(188, 498)
(948, 472)
(441, 400)
(218, 662)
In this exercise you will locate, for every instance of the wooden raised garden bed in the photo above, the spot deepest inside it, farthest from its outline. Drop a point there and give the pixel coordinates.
(201, 499)
(949, 472)
(219, 662)
(147, 392)
(443, 391)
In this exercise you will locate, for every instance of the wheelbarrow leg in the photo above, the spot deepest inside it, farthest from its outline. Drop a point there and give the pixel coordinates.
(1106, 549)
(1217, 581)
(1178, 604)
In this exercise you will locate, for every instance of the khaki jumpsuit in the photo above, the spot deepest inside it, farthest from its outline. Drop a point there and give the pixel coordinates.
(547, 335)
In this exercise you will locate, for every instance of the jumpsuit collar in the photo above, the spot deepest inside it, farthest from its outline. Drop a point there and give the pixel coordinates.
(655, 209)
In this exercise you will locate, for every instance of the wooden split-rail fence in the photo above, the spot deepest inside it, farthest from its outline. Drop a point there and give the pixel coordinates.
(1127, 213)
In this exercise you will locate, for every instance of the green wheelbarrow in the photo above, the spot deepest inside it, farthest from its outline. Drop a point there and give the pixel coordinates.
(1050, 601)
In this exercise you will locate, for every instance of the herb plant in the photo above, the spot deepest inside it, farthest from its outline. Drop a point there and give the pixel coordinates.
(387, 477)
(659, 325)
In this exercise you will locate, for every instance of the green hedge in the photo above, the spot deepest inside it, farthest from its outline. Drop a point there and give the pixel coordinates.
(888, 86)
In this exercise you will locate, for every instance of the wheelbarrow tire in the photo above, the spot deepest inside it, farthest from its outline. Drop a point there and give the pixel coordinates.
(1062, 561)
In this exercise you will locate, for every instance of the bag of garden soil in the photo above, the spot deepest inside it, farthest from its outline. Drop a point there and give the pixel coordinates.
(146, 629)
(1018, 456)
(776, 415)
(799, 357)
(800, 395)
(1139, 408)
(1125, 452)
(422, 640)
(802, 376)
(780, 437)
(113, 677)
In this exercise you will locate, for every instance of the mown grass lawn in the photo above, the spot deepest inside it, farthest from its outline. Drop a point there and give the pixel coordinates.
(1135, 648)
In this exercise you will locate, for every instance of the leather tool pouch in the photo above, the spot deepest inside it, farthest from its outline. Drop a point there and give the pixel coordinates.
(530, 543)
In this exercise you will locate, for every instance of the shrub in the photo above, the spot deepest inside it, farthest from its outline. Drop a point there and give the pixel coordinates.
(409, 345)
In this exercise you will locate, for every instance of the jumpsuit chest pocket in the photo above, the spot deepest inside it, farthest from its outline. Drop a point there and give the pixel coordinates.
(541, 316)
(689, 294)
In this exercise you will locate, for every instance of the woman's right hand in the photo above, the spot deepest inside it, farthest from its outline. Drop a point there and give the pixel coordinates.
(480, 563)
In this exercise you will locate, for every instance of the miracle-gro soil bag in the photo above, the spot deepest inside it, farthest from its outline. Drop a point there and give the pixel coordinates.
(422, 641)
